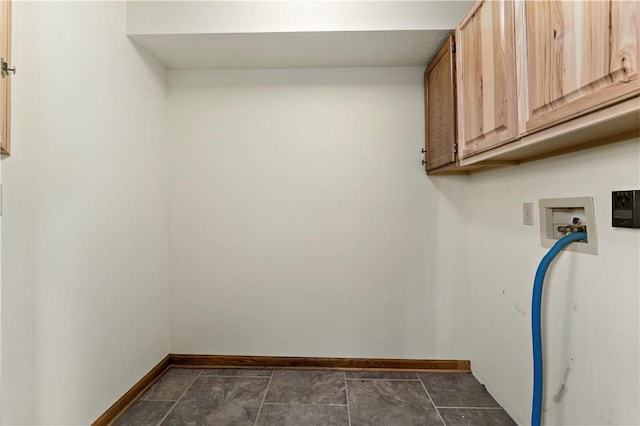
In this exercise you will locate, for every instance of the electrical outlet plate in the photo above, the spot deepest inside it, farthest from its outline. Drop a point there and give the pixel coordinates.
(527, 213)
(556, 212)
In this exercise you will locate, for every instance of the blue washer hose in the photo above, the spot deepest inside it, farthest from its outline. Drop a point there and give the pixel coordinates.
(536, 329)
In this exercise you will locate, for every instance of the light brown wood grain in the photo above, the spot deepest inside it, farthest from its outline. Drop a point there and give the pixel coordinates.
(617, 122)
(474, 100)
(521, 64)
(5, 83)
(581, 56)
(576, 79)
(440, 108)
(625, 40)
(486, 77)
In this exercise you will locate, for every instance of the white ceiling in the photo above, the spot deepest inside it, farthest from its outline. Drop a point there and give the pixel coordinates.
(294, 50)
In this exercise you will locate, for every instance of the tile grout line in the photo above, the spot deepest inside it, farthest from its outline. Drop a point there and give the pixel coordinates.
(247, 377)
(346, 396)
(471, 408)
(301, 403)
(255, 422)
(432, 403)
(176, 403)
(388, 380)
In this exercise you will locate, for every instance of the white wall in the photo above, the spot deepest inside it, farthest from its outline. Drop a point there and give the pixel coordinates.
(301, 222)
(84, 260)
(0, 299)
(591, 303)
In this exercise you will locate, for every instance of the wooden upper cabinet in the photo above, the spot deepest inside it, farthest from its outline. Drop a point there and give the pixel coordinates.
(580, 56)
(535, 78)
(5, 80)
(439, 86)
(486, 77)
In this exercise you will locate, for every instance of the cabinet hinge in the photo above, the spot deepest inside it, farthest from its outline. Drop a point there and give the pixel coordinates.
(455, 148)
(453, 47)
(6, 69)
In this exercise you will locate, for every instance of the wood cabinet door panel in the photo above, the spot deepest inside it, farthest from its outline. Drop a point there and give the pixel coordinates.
(625, 41)
(581, 55)
(5, 82)
(439, 83)
(486, 77)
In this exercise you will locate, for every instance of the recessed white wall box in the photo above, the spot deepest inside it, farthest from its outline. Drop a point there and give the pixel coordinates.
(557, 214)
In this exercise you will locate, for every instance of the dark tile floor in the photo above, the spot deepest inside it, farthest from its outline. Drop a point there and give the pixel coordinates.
(322, 398)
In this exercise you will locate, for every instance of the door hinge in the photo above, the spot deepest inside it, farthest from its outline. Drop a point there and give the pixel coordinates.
(455, 148)
(453, 47)
(6, 69)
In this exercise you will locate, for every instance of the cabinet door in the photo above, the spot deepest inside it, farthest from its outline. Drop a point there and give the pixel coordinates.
(439, 86)
(581, 55)
(5, 81)
(486, 77)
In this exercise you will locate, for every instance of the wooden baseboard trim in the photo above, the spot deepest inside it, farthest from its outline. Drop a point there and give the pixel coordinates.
(274, 362)
(134, 393)
(241, 361)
